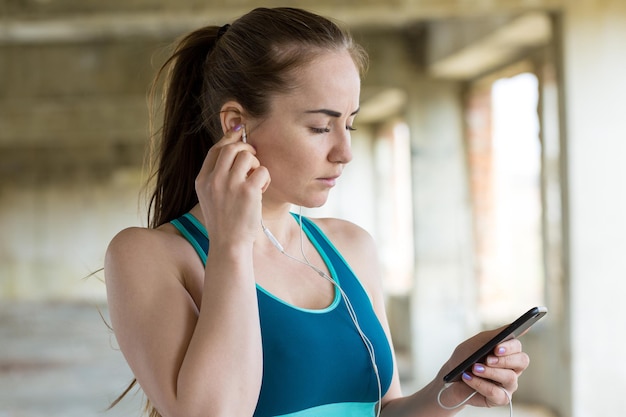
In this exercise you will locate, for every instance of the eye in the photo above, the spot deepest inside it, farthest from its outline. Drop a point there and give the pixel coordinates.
(350, 128)
(320, 130)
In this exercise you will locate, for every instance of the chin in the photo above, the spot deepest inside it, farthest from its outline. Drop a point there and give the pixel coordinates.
(309, 205)
(314, 203)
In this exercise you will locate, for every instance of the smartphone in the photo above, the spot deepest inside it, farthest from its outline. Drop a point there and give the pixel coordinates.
(515, 329)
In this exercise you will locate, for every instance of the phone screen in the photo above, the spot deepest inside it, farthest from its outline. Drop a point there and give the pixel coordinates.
(515, 329)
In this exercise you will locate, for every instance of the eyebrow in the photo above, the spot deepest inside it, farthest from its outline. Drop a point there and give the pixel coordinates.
(331, 113)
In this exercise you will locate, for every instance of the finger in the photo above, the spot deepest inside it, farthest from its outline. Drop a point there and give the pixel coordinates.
(248, 164)
(222, 158)
(243, 161)
(491, 394)
(508, 347)
(260, 178)
(504, 377)
(234, 157)
(232, 136)
(517, 361)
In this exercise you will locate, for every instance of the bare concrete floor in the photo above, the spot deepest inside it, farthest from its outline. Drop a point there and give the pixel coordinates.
(59, 360)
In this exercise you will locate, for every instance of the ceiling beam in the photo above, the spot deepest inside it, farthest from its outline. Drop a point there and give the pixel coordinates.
(172, 19)
(499, 47)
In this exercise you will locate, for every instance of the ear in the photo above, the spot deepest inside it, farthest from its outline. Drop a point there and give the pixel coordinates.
(231, 115)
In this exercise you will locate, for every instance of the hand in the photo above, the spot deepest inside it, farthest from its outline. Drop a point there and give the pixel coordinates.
(501, 371)
(229, 186)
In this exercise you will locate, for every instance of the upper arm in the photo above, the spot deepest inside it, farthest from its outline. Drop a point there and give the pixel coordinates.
(152, 314)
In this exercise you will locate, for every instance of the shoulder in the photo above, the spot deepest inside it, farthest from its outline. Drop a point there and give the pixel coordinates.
(357, 246)
(146, 270)
(129, 237)
(135, 241)
(138, 249)
(346, 235)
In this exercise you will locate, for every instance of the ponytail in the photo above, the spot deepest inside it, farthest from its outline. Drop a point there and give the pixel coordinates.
(183, 138)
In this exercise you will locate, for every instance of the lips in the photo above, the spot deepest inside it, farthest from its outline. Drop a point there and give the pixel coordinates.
(329, 181)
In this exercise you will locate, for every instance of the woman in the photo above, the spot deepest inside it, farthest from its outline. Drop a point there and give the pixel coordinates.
(218, 316)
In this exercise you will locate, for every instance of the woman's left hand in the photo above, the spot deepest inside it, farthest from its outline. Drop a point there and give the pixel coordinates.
(500, 371)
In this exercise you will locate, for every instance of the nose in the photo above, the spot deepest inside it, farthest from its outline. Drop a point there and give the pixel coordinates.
(341, 151)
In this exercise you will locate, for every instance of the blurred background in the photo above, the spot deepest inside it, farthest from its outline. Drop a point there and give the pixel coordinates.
(489, 166)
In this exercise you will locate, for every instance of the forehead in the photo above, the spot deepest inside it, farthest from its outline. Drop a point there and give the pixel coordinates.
(331, 80)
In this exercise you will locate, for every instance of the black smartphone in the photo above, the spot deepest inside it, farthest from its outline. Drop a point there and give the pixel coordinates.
(515, 329)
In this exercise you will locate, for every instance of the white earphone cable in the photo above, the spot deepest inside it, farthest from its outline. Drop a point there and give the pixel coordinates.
(469, 397)
(368, 344)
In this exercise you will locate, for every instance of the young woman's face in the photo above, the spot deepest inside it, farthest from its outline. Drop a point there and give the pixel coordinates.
(305, 140)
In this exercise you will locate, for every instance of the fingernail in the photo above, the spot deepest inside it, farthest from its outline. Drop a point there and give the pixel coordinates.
(467, 376)
(492, 360)
(237, 128)
(478, 368)
(501, 350)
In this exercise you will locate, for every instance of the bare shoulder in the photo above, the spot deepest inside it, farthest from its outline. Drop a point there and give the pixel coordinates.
(345, 234)
(358, 248)
(137, 243)
(142, 253)
(133, 238)
(145, 276)
(130, 239)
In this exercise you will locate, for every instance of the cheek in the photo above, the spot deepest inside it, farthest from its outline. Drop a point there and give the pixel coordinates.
(287, 164)
(284, 154)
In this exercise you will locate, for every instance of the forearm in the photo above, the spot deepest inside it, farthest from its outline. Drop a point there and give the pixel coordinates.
(222, 368)
(421, 403)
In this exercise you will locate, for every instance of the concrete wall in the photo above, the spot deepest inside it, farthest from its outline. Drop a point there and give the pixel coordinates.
(54, 235)
(73, 121)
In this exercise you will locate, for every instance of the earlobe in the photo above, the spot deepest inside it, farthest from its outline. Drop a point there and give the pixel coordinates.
(231, 115)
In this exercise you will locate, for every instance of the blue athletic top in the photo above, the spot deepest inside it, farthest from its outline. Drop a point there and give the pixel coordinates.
(314, 361)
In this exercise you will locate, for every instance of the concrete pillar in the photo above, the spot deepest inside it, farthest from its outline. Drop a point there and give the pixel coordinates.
(595, 60)
(443, 290)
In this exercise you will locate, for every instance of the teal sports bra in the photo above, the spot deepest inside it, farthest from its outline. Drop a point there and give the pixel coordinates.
(314, 361)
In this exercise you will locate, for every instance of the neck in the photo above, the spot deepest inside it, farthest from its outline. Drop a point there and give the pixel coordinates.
(279, 222)
(279, 227)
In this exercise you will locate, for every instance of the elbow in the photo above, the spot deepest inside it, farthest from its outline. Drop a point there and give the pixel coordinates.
(237, 406)
(235, 410)
(223, 396)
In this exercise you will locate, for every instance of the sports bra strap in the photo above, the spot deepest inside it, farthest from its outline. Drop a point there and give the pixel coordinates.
(195, 233)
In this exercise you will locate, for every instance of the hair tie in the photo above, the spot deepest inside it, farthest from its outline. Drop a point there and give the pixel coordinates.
(222, 30)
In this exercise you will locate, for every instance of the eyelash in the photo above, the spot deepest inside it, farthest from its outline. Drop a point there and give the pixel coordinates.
(327, 130)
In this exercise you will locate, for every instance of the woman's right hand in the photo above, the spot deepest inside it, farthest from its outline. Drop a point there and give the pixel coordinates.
(230, 186)
(178, 327)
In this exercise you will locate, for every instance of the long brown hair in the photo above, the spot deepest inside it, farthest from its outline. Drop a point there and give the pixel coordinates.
(248, 61)
(252, 60)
